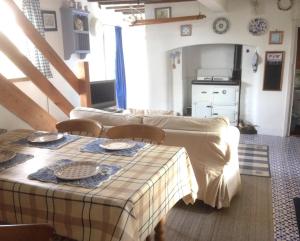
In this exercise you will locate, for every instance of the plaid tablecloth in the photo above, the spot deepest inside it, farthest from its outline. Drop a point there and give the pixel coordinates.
(126, 208)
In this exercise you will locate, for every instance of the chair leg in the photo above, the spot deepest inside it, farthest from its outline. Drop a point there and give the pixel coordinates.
(160, 230)
(148, 238)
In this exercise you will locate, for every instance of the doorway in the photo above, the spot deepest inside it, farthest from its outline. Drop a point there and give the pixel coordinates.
(295, 120)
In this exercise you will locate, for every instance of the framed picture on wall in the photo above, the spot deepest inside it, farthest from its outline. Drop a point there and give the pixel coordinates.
(49, 20)
(186, 30)
(274, 62)
(276, 37)
(162, 12)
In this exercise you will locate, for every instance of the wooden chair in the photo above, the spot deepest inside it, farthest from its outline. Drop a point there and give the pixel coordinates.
(145, 133)
(26, 232)
(82, 127)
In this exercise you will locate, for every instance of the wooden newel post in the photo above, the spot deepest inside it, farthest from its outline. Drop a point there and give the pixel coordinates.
(84, 84)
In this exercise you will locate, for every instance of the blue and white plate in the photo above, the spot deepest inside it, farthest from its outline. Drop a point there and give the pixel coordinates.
(221, 25)
(258, 26)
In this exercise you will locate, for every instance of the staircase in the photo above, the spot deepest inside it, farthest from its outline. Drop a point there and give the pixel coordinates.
(16, 101)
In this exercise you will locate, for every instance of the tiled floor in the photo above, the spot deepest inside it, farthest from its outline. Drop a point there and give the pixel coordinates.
(285, 171)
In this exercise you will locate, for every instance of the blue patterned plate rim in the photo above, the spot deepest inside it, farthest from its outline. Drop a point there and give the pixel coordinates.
(78, 170)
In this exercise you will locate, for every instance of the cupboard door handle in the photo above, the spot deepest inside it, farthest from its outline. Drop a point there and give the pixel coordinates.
(215, 114)
(209, 106)
(203, 92)
(216, 92)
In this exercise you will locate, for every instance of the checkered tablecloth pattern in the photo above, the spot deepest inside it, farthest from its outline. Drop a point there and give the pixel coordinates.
(126, 208)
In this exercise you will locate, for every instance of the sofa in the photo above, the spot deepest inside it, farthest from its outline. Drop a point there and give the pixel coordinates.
(212, 145)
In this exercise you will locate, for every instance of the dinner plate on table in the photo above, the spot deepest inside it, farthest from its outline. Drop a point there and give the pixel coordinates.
(117, 144)
(77, 170)
(6, 156)
(45, 138)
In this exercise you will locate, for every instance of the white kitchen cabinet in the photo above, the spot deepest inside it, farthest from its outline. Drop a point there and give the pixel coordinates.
(215, 100)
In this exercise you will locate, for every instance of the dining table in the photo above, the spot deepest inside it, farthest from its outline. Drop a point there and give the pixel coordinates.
(128, 206)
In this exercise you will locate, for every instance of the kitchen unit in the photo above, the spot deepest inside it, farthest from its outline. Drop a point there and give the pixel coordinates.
(215, 99)
(206, 80)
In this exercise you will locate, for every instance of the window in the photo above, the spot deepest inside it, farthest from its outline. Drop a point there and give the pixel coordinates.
(109, 51)
(10, 28)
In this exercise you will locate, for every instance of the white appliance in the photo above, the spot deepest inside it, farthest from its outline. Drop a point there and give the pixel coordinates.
(214, 74)
(215, 100)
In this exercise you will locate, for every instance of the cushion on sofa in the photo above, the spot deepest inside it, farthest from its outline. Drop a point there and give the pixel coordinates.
(106, 118)
(187, 123)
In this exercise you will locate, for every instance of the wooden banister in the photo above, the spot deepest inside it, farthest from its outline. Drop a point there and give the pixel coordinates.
(12, 52)
(44, 46)
(13, 99)
(84, 84)
(21, 79)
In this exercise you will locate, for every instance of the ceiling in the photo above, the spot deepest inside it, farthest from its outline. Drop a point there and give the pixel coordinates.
(130, 6)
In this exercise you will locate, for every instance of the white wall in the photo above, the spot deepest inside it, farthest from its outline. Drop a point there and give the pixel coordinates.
(136, 58)
(209, 56)
(269, 106)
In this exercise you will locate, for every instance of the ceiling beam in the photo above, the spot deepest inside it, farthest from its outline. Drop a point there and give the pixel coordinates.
(167, 1)
(113, 2)
(136, 12)
(126, 6)
(130, 13)
(130, 10)
(215, 5)
(117, 2)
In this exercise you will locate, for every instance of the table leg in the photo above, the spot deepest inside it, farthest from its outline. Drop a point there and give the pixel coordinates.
(159, 230)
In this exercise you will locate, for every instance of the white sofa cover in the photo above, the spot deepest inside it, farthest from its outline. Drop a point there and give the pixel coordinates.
(211, 143)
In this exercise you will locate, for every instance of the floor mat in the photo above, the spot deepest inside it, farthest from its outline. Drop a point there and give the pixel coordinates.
(254, 160)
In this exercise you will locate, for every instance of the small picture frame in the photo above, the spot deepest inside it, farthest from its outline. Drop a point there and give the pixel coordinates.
(276, 37)
(162, 12)
(186, 30)
(49, 20)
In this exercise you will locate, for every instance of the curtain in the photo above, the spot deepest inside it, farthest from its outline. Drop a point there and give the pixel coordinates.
(32, 11)
(120, 71)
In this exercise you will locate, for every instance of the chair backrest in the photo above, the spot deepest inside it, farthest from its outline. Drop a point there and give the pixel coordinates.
(82, 127)
(26, 232)
(145, 133)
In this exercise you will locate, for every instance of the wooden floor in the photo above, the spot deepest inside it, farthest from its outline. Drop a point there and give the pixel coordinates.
(249, 217)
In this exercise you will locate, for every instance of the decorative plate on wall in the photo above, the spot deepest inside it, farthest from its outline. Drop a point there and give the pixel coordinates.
(186, 30)
(285, 4)
(221, 25)
(78, 24)
(258, 26)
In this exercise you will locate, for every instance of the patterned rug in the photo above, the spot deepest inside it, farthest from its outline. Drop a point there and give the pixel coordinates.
(284, 153)
(254, 160)
(297, 210)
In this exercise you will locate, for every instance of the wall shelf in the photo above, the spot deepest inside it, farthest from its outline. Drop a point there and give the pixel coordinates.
(75, 27)
(167, 20)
